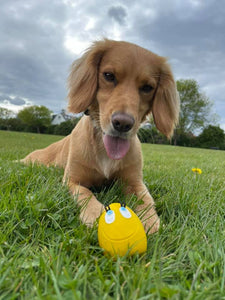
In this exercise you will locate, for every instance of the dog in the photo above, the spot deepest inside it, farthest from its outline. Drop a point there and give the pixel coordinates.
(117, 84)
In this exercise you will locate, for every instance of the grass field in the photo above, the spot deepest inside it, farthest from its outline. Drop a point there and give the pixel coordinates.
(46, 253)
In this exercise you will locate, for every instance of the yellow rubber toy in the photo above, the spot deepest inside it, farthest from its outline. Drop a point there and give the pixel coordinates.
(120, 231)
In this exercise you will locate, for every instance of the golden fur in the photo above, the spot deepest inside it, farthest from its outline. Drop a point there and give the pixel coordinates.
(82, 154)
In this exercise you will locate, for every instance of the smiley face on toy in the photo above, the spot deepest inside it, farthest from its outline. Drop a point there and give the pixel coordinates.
(120, 231)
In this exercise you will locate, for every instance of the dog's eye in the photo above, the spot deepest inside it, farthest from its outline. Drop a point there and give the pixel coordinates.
(146, 88)
(109, 76)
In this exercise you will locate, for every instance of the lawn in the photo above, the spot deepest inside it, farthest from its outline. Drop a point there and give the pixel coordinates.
(46, 253)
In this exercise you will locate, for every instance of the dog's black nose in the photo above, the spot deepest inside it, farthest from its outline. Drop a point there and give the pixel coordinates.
(122, 122)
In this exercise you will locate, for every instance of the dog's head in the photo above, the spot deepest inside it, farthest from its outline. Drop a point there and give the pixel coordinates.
(120, 84)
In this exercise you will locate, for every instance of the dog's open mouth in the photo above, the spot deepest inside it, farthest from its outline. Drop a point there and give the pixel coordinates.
(116, 147)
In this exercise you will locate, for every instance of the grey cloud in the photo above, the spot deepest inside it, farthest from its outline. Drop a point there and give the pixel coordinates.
(18, 101)
(35, 63)
(4, 97)
(118, 13)
(15, 100)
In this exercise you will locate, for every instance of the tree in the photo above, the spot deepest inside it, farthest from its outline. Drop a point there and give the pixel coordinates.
(14, 124)
(212, 137)
(64, 128)
(196, 108)
(5, 117)
(151, 135)
(5, 113)
(35, 116)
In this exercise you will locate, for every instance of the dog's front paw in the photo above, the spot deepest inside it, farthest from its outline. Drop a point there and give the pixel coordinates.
(152, 224)
(88, 216)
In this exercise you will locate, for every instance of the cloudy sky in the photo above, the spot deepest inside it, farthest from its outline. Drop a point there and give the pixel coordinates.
(39, 40)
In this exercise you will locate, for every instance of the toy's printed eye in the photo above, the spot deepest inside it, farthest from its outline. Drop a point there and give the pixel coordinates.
(110, 217)
(125, 212)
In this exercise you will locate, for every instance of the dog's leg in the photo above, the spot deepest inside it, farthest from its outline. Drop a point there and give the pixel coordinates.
(145, 210)
(91, 208)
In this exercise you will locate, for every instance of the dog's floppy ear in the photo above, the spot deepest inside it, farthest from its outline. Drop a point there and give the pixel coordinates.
(83, 79)
(166, 104)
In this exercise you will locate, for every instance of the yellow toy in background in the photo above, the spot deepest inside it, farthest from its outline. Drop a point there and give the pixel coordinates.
(120, 230)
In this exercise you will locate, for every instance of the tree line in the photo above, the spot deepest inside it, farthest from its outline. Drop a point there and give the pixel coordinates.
(36, 119)
(197, 123)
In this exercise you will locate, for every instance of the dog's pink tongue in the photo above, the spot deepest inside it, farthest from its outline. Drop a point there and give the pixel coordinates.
(116, 147)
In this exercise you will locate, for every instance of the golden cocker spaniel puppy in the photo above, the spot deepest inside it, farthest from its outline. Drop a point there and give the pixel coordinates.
(116, 84)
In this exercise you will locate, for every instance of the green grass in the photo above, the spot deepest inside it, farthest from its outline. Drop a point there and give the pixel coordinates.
(46, 253)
